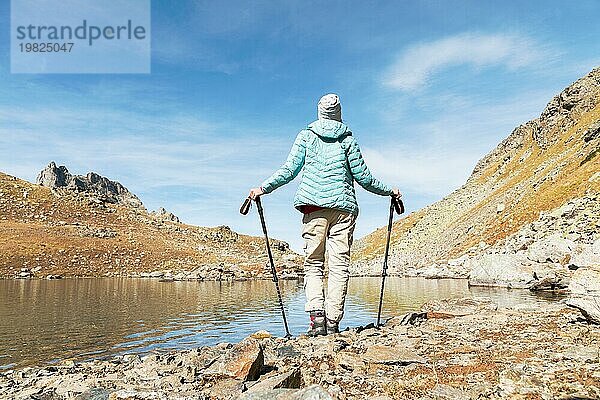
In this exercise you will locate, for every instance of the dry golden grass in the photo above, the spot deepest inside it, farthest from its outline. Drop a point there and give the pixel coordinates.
(56, 234)
(575, 162)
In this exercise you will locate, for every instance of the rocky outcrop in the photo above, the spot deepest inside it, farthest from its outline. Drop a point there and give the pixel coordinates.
(455, 349)
(516, 271)
(95, 185)
(543, 254)
(585, 292)
(542, 165)
(163, 215)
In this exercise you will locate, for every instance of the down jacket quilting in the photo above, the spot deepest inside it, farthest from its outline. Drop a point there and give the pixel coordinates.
(332, 162)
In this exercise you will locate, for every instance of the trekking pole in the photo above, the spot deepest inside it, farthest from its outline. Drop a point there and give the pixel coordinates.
(244, 210)
(397, 205)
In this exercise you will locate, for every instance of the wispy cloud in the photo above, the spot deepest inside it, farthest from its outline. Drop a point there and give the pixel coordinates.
(435, 156)
(193, 166)
(415, 65)
(154, 150)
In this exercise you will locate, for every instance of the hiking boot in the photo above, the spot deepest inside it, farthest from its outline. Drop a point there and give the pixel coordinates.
(317, 324)
(332, 327)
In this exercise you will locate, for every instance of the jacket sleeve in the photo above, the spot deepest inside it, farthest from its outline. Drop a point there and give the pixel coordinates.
(361, 172)
(290, 169)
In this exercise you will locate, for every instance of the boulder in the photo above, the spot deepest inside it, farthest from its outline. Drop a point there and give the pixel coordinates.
(53, 176)
(313, 392)
(593, 132)
(243, 361)
(411, 318)
(553, 249)
(125, 394)
(587, 255)
(514, 271)
(504, 270)
(585, 293)
(262, 334)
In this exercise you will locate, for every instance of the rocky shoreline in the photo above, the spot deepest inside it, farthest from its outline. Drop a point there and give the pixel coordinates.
(559, 242)
(451, 349)
(206, 273)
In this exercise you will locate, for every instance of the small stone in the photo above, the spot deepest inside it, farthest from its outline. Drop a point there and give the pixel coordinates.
(262, 334)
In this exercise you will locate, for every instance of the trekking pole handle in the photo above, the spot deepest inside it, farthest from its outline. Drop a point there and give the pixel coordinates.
(246, 206)
(398, 205)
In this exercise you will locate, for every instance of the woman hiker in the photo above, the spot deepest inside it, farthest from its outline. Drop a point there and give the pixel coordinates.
(332, 162)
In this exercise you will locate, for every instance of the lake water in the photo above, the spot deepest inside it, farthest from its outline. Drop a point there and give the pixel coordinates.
(49, 321)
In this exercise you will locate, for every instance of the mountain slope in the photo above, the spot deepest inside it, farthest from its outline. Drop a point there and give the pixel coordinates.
(69, 232)
(540, 166)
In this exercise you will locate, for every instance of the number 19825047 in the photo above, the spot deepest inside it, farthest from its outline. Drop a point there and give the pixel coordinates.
(46, 47)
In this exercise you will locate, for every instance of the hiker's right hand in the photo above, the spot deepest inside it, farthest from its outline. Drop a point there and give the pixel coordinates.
(397, 194)
(255, 192)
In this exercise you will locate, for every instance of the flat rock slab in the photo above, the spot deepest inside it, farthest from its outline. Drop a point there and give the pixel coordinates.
(288, 380)
(227, 388)
(392, 355)
(350, 361)
(589, 307)
(448, 308)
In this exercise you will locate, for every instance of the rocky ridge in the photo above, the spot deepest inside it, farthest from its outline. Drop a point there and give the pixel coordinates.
(450, 349)
(91, 226)
(98, 187)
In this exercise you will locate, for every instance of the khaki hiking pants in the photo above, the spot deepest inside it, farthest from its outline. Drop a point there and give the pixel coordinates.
(332, 230)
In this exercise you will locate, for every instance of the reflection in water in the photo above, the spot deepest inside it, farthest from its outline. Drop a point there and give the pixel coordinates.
(47, 321)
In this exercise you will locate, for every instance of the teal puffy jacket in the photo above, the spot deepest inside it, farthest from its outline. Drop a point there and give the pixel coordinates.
(332, 162)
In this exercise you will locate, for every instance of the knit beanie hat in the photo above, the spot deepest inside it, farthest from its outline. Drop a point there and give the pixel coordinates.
(329, 107)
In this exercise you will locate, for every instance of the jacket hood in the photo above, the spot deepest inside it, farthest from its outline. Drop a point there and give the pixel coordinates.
(329, 129)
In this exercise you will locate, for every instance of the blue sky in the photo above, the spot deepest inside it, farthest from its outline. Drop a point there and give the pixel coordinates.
(427, 87)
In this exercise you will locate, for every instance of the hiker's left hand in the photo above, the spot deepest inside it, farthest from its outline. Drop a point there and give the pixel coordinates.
(255, 192)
